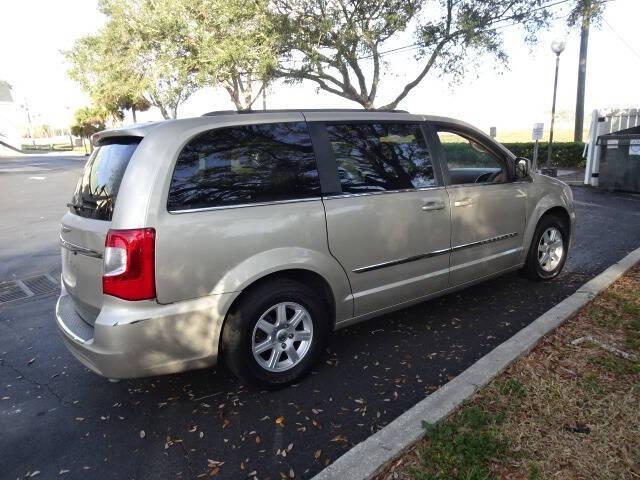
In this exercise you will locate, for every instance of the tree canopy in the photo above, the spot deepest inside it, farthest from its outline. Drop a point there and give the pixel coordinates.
(339, 44)
(158, 52)
(136, 60)
(590, 11)
(237, 46)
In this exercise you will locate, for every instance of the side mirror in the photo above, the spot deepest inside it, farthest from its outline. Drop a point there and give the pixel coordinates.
(522, 168)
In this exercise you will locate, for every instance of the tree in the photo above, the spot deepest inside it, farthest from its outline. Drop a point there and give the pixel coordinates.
(228, 43)
(135, 60)
(584, 13)
(339, 44)
(97, 64)
(238, 47)
(87, 121)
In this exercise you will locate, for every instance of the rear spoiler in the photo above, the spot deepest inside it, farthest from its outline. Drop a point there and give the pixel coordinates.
(136, 130)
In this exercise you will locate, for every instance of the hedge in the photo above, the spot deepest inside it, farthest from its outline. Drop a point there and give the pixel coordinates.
(564, 154)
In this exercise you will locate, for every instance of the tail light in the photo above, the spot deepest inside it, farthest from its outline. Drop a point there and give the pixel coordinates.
(129, 264)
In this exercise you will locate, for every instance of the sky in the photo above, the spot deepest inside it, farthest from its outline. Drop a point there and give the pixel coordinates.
(34, 32)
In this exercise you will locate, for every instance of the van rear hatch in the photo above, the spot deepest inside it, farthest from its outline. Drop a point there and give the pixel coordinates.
(84, 227)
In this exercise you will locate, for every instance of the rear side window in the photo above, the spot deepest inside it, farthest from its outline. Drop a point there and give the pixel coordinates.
(381, 156)
(98, 186)
(245, 164)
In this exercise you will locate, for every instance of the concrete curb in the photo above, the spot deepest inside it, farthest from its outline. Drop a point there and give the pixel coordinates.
(366, 459)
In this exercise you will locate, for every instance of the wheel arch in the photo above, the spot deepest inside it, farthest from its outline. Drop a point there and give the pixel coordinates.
(547, 207)
(298, 274)
(561, 213)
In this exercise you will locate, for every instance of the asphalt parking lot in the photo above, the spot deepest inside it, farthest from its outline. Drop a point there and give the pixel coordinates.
(58, 419)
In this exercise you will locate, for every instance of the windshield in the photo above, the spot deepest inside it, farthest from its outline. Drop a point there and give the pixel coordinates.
(97, 188)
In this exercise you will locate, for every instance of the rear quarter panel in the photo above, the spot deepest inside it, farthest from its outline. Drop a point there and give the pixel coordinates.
(221, 251)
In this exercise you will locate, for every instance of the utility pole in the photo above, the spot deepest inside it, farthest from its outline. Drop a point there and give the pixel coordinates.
(582, 71)
(25, 107)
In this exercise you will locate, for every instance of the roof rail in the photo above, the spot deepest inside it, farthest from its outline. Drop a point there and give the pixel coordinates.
(297, 110)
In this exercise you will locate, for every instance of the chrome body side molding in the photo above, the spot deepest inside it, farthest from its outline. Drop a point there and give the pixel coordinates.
(414, 258)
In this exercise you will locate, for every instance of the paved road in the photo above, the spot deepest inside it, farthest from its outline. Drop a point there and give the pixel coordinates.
(34, 191)
(55, 416)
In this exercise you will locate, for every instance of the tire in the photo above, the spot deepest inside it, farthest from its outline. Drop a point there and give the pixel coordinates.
(535, 268)
(265, 302)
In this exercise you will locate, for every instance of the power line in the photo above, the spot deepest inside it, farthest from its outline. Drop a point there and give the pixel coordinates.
(417, 45)
(622, 40)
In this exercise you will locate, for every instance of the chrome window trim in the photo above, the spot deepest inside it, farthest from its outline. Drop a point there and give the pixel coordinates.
(485, 184)
(243, 205)
(72, 247)
(480, 184)
(382, 192)
(422, 256)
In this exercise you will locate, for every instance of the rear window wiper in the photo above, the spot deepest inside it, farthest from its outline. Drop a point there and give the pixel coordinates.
(78, 206)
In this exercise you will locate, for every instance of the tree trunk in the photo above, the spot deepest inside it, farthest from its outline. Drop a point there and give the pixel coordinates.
(264, 97)
(582, 74)
(164, 112)
(133, 112)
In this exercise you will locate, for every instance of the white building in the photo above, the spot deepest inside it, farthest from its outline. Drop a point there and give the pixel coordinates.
(9, 116)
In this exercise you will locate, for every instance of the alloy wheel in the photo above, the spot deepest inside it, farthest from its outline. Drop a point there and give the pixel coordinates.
(550, 249)
(282, 337)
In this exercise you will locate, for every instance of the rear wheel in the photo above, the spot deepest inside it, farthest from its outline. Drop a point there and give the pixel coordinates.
(276, 333)
(548, 251)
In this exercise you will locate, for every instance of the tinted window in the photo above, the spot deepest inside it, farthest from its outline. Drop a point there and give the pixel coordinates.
(381, 156)
(469, 161)
(244, 164)
(98, 186)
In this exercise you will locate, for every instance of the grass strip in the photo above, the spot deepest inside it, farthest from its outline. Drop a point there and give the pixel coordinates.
(564, 411)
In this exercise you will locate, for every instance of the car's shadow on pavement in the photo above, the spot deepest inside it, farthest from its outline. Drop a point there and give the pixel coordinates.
(57, 416)
(371, 373)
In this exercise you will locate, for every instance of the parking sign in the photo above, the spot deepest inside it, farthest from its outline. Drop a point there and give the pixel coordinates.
(537, 132)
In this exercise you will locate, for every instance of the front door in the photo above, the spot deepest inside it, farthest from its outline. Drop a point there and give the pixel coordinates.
(390, 225)
(488, 208)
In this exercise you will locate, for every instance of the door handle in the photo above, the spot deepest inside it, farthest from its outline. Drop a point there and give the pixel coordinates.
(465, 202)
(431, 206)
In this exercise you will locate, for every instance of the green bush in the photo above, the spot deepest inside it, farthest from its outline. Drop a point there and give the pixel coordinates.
(564, 154)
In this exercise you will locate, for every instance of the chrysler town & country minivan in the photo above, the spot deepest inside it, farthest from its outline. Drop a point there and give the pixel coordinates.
(252, 236)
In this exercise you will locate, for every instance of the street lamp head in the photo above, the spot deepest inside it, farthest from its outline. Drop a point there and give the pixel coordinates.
(558, 46)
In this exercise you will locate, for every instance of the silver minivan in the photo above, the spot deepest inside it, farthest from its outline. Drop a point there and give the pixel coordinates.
(252, 236)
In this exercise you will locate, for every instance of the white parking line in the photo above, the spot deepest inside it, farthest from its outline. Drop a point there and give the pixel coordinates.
(37, 178)
(586, 204)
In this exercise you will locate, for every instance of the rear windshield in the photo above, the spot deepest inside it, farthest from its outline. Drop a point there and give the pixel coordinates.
(97, 188)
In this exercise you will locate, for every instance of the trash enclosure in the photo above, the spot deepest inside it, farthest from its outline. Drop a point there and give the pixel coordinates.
(620, 160)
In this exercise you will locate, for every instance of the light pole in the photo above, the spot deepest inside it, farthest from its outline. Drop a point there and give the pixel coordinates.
(557, 46)
(25, 107)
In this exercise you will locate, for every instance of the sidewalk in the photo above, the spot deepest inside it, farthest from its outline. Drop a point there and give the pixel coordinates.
(571, 175)
(567, 410)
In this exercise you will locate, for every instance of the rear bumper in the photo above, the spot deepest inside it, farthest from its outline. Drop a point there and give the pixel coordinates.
(140, 339)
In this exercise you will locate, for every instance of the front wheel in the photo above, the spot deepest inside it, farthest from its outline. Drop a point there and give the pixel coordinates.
(548, 251)
(275, 334)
